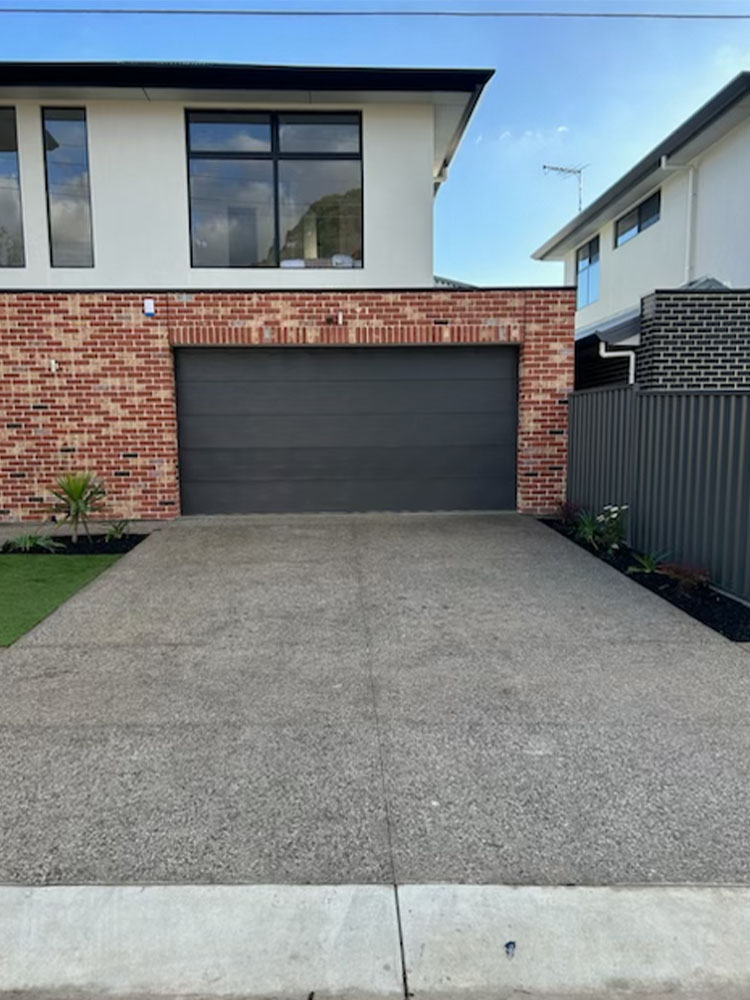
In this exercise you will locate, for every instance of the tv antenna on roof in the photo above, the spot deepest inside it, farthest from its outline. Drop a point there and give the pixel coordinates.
(577, 172)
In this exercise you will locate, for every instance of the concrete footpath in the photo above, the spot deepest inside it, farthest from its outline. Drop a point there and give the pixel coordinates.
(358, 942)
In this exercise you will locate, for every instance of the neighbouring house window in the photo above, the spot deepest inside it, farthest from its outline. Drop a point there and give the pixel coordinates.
(68, 194)
(640, 218)
(587, 273)
(275, 190)
(11, 223)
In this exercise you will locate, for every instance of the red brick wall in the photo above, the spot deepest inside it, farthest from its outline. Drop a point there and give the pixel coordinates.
(109, 405)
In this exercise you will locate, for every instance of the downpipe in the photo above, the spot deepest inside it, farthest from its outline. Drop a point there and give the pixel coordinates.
(630, 355)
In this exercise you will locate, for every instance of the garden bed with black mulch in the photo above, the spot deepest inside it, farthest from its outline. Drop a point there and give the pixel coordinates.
(723, 614)
(98, 545)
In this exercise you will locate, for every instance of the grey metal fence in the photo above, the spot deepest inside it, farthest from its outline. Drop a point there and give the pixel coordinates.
(681, 461)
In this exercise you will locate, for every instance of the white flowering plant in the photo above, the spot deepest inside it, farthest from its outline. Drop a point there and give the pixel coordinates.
(604, 531)
(611, 526)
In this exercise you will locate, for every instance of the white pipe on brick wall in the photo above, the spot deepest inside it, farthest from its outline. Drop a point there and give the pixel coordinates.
(630, 355)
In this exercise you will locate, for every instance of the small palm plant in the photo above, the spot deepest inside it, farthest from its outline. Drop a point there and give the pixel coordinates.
(79, 495)
(117, 530)
(587, 528)
(647, 562)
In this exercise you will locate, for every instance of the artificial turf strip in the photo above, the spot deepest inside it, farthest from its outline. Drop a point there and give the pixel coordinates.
(32, 586)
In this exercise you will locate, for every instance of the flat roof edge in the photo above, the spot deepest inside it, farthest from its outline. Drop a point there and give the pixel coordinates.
(222, 76)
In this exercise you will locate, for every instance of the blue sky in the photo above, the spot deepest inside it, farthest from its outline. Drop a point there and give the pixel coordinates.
(596, 92)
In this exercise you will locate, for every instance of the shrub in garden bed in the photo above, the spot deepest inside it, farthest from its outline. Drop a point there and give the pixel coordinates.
(78, 495)
(63, 545)
(687, 587)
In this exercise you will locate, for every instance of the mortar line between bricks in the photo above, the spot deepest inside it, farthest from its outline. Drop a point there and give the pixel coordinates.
(364, 611)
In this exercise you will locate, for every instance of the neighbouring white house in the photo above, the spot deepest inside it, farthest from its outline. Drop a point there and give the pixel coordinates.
(678, 219)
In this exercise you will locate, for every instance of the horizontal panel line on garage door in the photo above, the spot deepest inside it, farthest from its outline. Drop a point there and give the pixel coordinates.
(359, 452)
(361, 449)
(314, 431)
(217, 412)
(269, 398)
(345, 495)
(265, 380)
(344, 364)
(344, 463)
(487, 480)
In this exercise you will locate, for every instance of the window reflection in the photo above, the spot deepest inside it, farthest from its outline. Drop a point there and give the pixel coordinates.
(587, 268)
(321, 213)
(640, 218)
(68, 194)
(231, 133)
(270, 190)
(232, 213)
(11, 224)
(319, 133)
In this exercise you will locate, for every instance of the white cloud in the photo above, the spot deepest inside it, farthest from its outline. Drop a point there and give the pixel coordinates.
(240, 142)
(531, 138)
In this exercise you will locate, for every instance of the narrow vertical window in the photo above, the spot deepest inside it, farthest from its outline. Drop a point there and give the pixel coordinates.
(11, 224)
(587, 273)
(68, 196)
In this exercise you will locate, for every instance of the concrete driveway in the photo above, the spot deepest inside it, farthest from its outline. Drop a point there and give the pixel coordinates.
(372, 699)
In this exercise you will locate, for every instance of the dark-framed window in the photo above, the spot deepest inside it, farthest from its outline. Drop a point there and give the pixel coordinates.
(11, 218)
(587, 273)
(275, 189)
(66, 163)
(638, 219)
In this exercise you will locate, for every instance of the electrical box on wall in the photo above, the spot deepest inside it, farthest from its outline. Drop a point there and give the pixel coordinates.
(149, 307)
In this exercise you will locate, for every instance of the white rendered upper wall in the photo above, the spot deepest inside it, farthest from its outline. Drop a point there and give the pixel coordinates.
(722, 210)
(139, 201)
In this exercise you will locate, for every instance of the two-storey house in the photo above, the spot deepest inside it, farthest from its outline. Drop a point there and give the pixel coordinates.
(216, 293)
(660, 259)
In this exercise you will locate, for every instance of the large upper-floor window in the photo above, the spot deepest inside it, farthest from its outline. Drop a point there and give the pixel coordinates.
(68, 197)
(638, 219)
(275, 190)
(11, 224)
(587, 273)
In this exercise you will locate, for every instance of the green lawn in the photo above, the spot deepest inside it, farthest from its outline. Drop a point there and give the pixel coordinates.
(31, 587)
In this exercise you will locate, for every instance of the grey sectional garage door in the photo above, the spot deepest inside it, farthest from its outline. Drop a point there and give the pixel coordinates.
(337, 429)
